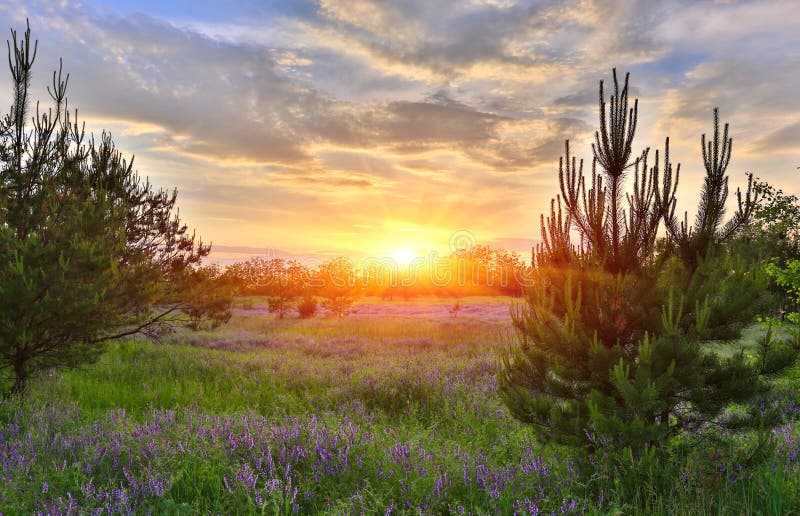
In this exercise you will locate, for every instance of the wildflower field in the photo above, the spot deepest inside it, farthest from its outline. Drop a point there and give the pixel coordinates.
(393, 410)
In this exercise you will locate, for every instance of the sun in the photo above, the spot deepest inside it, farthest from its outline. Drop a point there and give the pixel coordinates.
(403, 256)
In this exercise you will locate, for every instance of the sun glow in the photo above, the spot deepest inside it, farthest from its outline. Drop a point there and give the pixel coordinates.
(403, 256)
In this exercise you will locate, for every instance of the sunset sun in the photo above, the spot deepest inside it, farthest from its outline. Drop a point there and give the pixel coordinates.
(403, 256)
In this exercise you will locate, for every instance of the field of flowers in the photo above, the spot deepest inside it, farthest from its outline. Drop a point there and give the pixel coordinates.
(393, 410)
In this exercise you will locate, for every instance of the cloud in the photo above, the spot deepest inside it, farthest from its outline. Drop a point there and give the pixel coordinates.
(319, 125)
(785, 139)
(434, 123)
(588, 97)
(737, 86)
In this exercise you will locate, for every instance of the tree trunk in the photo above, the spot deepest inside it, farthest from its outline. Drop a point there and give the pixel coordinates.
(20, 378)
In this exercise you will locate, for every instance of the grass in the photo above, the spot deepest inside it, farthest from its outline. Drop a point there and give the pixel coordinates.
(390, 411)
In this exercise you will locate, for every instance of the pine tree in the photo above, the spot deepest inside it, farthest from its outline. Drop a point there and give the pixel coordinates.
(610, 336)
(88, 251)
(695, 242)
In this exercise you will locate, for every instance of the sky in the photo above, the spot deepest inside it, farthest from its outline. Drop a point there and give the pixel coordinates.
(381, 128)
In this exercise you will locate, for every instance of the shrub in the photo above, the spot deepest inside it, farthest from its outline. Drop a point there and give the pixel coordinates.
(307, 307)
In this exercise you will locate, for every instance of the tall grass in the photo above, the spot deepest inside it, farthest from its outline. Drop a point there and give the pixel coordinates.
(380, 414)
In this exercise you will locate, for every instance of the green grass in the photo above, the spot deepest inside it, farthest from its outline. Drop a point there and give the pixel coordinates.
(362, 388)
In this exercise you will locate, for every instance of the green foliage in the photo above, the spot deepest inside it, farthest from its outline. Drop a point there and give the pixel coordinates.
(776, 355)
(88, 251)
(772, 240)
(209, 295)
(732, 288)
(694, 242)
(776, 228)
(788, 277)
(611, 337)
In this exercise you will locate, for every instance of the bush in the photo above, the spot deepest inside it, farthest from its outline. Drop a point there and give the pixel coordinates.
(307, 307)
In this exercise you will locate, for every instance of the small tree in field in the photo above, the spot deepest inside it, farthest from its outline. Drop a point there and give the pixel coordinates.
(338, 289)
(284, 284)
(209, 297)
(610, 338)
(88, 251)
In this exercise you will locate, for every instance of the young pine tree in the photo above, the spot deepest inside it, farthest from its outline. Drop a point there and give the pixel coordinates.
(88, 251)
(610, 339)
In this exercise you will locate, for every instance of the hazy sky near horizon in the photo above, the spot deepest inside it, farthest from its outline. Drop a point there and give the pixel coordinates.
(365, 126)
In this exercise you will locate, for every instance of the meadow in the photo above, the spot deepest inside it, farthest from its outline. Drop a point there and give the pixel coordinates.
(392, 410)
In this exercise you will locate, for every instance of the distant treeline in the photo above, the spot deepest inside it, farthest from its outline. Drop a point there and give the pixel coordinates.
(480, 270)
